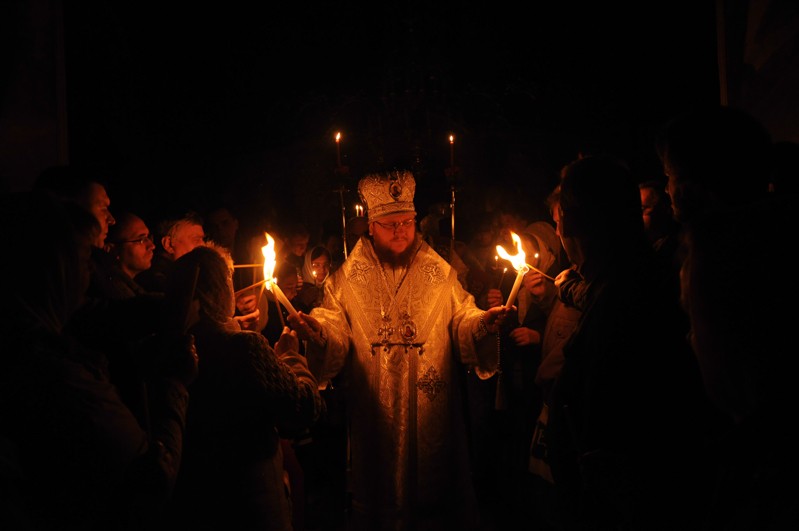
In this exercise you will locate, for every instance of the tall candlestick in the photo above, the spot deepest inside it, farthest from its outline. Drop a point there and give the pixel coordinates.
(452, 151)
(338, 149)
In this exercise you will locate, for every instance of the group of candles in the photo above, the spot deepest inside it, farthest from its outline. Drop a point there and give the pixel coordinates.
(518, 261)
(337, 138)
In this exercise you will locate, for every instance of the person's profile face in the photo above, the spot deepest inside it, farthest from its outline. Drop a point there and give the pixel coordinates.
(136, 248)
(223, 227)
(98, 203)
(298, 245)
(185, 238)
(648, 203)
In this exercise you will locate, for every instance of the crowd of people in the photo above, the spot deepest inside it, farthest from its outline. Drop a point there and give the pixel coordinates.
(632, 372)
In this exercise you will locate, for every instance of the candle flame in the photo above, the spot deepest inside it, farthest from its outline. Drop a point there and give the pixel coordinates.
(338, 136)
(451, 139)
(518, 261)
(270, 260)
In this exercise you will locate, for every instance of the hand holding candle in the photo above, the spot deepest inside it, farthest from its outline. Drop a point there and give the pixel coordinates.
(270, 261)
(519, 264)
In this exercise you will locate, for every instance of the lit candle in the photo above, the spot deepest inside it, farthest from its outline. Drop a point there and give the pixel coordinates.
(338, 149)
(452, 151)
(270, 261)
(501, 278)
(359, 210)
(519, 264)
(315, 283)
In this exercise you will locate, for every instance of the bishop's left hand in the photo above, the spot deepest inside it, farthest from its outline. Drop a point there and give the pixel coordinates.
(308, 328)
(494, 317)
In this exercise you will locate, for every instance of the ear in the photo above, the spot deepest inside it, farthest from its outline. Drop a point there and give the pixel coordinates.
(166, 243)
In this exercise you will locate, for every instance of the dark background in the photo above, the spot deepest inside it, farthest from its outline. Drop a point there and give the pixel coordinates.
(181, 105)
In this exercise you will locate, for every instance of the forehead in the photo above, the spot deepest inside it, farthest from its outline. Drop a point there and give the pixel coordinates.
(391, 218)
(134, 227)
(97, 195)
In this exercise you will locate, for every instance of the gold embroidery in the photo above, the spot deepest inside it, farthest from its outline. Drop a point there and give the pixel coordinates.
(430, 384)
(358, 272)
(433, 274)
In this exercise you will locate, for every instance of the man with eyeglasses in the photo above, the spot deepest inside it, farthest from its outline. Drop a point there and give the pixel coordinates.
(395, 325)
(130, 247)
(178, 235)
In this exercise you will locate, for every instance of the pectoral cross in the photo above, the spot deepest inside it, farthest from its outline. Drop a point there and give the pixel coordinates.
(384, 332)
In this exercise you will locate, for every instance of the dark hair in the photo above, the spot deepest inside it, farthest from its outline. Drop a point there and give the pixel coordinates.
(724, 148)
(45, 283)
(320, 250)
(601, 199)
(66, 182)
(285, 269)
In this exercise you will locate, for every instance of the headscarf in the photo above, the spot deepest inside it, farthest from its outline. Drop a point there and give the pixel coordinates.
(307, 270)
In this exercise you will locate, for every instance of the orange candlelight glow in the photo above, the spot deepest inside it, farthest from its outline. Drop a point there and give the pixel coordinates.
(518, 261)
(270, 262)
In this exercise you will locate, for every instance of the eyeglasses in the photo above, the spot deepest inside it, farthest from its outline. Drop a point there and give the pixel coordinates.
(405, 224)
(141, 241)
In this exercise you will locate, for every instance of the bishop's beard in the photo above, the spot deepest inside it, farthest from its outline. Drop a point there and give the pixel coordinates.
(403, 259)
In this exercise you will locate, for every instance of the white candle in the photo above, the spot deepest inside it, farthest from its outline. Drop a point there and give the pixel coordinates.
(270, 260)
(274, 288)
(516, 285)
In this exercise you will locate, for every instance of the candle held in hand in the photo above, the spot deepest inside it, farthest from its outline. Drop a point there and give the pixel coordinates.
(516, 285)
(270, 261)
(518, 261)
(274, 288)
